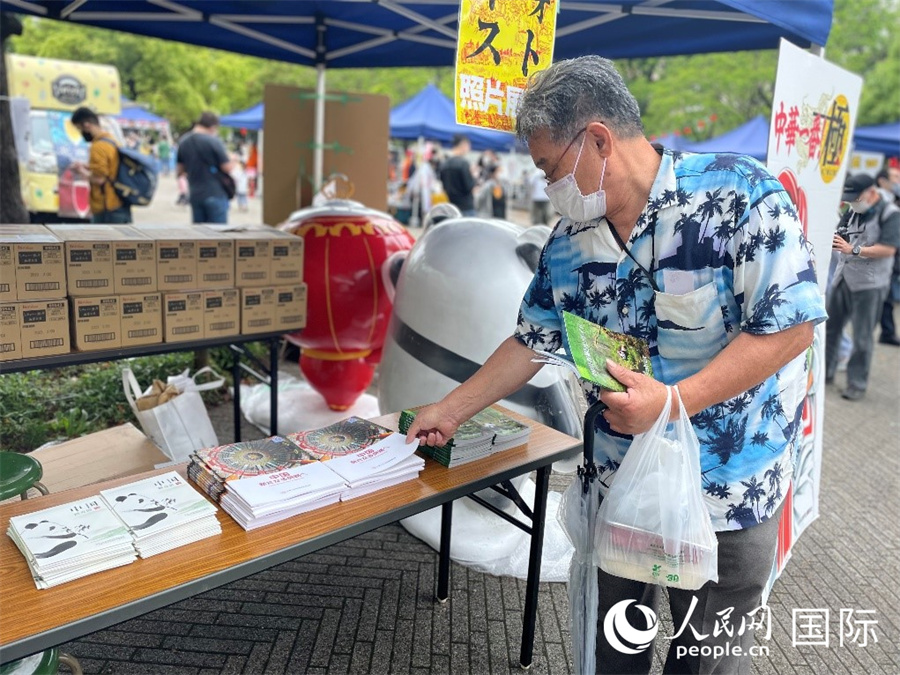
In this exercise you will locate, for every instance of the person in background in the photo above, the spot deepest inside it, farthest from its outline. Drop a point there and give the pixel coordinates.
(727, 305)
(888, 180)
(491, 199)
(201, 155)
(486, 163)
(165, 152)
(867, 239)
(541, 210)
(101, 169)
(457, 177)
(241, 184)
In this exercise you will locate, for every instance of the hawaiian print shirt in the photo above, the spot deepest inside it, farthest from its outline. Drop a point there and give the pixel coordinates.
(718, 250)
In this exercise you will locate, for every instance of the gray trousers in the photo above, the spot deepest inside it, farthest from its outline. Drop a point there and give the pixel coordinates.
(745, 564)
(862, 309)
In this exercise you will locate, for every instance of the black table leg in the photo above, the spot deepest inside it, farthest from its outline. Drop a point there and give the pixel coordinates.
(273, 386)
(541, 487)
(236, 398)
(443, 593)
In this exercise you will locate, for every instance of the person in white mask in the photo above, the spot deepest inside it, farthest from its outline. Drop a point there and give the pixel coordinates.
(703, 257)
(867, 239)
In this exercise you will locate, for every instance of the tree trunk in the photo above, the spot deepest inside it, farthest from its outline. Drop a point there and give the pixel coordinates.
(12, 208)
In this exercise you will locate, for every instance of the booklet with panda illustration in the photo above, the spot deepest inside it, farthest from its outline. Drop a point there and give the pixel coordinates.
(71, 540)
(162, 511)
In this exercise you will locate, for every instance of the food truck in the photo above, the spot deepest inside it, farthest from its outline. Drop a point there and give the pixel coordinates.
(43, 94)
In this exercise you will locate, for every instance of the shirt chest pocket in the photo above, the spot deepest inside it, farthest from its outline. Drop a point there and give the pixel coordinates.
(690, 326)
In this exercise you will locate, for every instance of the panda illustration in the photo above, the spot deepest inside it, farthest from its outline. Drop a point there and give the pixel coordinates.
(59, 537)
(140, 512)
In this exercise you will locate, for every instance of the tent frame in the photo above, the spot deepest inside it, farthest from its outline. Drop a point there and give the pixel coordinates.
(237, 23)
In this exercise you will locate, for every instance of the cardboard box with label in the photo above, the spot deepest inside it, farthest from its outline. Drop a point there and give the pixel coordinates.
(7, 273)
(45, 327)
(10, 332)
(96, 323)
(142, 319)
(263, 256)
(182, 316)
(39, 261)
(134, 265)
(257, 310)
(221, 313)
(176, 256)
(215, 261)
(92, 252)
(290, 307)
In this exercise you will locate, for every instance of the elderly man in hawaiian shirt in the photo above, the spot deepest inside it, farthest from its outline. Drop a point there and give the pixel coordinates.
(702, 256)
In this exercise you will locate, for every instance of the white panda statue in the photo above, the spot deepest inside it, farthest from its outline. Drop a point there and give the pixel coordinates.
(456, 298)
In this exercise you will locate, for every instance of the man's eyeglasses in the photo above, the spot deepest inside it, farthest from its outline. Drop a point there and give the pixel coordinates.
(549, 174)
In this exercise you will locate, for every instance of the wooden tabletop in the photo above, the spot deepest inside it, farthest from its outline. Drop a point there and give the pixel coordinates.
(32, 619)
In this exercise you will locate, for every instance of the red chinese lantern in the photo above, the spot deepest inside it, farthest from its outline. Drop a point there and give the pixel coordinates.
(346, 245)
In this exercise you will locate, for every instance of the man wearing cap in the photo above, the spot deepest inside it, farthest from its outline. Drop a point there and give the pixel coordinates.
(867, 239)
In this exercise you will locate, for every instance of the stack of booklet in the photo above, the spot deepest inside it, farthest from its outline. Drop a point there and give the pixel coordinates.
(508, 433)
(388, 462)
(162, 513)
(212, 468)
(71, 540)
(266, 499)
(487, 432)
(345, 460)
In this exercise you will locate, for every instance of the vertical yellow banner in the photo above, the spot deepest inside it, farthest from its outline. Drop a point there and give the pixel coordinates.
(501, 43)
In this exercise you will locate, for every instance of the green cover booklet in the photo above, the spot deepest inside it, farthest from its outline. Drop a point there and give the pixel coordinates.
(591, 344)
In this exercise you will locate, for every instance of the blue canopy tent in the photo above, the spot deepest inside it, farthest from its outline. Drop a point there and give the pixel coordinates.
(751, 138)
(251, 118)
(431, 115)
(348, 34)
(139, 117)
(883, 138)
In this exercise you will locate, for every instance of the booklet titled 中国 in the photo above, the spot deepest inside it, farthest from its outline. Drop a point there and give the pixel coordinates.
(71, 540)
(162, 512)
(591, 344)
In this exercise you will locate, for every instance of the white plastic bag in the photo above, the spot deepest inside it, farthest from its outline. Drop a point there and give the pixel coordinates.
(653, 525)
(181, 425)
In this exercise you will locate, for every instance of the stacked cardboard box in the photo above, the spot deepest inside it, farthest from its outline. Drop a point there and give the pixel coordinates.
(124, 286)
(269, 273)
(32, 293)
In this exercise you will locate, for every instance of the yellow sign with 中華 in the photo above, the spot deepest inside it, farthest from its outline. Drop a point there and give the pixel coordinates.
(501, 44)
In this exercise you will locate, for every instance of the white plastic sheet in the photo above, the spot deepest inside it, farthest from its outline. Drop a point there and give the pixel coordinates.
(299, 406)
(487, 543)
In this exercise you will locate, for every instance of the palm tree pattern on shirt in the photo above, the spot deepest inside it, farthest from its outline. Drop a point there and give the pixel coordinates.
(720, 219)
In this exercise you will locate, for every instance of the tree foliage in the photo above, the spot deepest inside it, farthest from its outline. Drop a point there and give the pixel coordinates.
(178, 80)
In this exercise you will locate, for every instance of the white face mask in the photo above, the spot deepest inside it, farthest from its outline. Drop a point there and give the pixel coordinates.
(859, 207)
(567, 199)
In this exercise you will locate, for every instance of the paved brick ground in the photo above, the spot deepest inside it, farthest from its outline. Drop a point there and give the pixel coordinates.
(366, 606)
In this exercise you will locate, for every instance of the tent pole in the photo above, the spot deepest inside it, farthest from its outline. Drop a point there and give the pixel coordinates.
(318, 149)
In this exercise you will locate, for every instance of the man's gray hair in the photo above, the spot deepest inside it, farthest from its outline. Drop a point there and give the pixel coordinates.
(568, 95)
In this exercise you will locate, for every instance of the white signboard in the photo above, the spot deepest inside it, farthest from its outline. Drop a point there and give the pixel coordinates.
(813, 116)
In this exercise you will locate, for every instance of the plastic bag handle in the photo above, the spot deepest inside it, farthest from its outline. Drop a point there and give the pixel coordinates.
(212, 384)
(131, 388)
